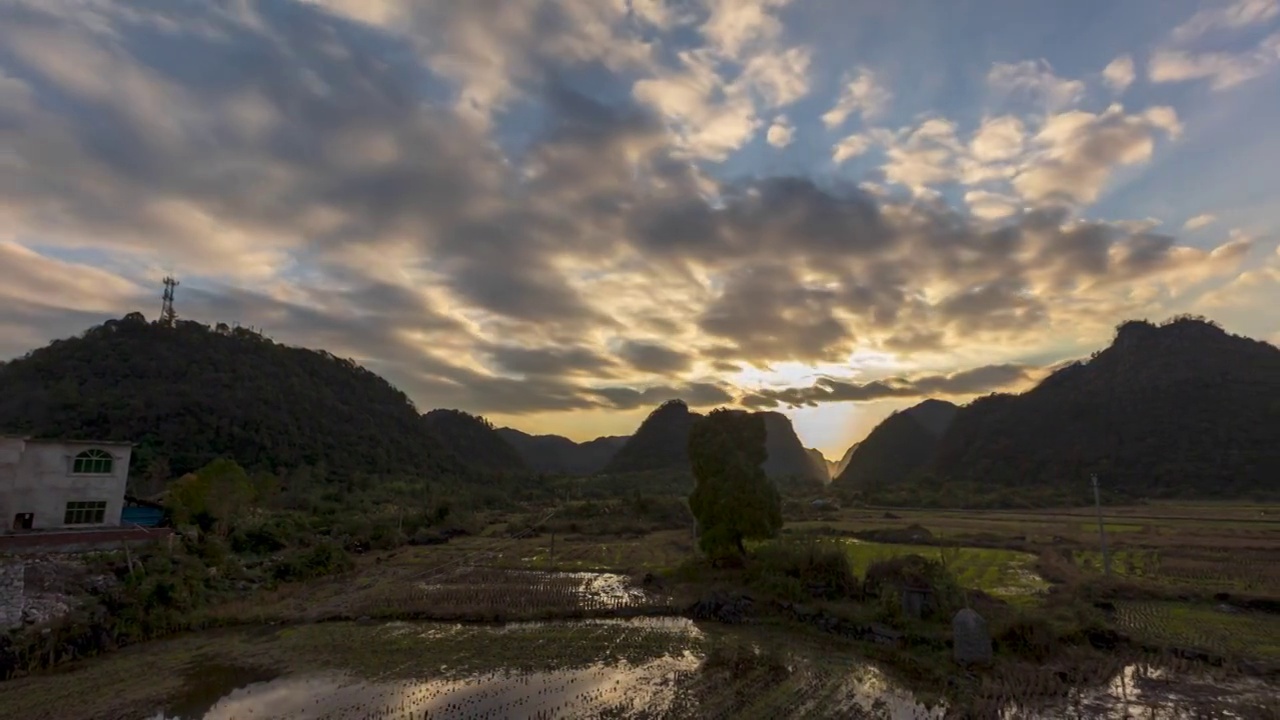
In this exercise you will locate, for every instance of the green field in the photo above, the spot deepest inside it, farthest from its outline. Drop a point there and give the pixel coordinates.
(1006, 574)
(1202, 627)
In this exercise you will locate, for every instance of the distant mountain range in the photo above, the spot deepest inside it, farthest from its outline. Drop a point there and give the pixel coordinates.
(1177, 409)
(557, 455)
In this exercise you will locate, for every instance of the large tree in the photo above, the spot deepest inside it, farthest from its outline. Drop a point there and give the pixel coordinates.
(733, 500)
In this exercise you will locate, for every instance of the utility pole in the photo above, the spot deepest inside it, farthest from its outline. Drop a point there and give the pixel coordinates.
(1102, 528)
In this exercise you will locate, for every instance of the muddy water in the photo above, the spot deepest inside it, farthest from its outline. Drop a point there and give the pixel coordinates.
(645, 668)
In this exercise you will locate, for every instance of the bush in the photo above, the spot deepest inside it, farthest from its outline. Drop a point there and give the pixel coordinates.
(1029, 637)
(886, 578)
(814, 568)
(323, 559)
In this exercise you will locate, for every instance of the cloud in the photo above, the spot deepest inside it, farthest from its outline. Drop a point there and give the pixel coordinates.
(861, 93)
(1035, 81)
(1226, 16)
(827, 389)
(1224, 69)
(450, 194)
(1076, 151)
(654, 358)
(923, 156)
(1199, 221)
(1119, 74)
(999, 138)
(713, 100)
(548, 361)
(990, 206)
(781, 132)
(697, 394)
(851, 147)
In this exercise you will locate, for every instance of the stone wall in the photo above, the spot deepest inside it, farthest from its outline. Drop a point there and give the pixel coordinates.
(39, 588)
(12, 595)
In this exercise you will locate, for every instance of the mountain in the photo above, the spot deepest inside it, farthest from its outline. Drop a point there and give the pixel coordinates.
(788, 460)
(901, 444)
(1182, 408)
(557, 455)
(821, 462)
(475, 441)
(660, 443)
(838, 466)
(191, 393)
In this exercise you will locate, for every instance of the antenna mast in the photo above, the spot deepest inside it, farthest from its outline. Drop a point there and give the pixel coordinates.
(167, 314)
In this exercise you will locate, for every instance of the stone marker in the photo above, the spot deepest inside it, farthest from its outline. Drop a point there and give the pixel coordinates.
(971, 641)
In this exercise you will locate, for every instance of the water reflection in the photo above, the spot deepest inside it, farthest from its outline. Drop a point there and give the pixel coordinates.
(618, 690)
(773, 678)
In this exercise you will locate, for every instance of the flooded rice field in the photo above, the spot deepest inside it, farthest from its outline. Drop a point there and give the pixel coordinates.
(511, 594)
(605, 668)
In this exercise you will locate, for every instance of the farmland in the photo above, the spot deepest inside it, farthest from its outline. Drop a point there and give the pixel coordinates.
(598, 669)
(444, 629)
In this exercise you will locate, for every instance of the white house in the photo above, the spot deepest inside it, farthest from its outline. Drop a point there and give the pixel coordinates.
(54, 484)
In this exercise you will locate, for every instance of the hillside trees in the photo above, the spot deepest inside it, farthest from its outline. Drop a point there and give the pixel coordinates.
(732, 499)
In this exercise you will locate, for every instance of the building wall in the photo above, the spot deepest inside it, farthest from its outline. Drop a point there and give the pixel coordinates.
(36, 477)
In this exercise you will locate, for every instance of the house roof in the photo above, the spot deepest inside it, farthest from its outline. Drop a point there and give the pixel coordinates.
(57, 441)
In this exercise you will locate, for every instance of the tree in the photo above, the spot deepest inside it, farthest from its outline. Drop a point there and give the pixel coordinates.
(212, 496)
(733, 500)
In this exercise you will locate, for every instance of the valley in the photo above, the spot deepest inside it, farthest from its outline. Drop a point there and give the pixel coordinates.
(336, 553)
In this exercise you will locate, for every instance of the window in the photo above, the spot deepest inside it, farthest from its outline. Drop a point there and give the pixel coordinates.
(92, 462)
(85, 513)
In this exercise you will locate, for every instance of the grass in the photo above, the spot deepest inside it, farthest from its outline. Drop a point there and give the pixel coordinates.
(1007, 574)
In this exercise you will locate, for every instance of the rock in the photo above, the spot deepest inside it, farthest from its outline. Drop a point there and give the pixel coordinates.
(724, 607)
(883, 634)
(971, 640)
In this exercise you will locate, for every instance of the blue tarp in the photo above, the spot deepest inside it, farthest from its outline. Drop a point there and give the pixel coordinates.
(144, 516)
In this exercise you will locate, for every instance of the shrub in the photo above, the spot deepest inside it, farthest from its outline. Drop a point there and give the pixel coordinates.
(1028, 637)
(323, 559)
(814, 568)
(886, 578)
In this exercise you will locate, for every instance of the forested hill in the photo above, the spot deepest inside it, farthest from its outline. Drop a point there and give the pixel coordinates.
(475, 441)
(190, 393)
(660, 443)
(557, 455)
(901, 444)
(1179, 409)
(787, 458)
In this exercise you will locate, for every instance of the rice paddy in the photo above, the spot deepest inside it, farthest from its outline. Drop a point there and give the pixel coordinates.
(1218, 629)
(1007, 574)
(636, 668)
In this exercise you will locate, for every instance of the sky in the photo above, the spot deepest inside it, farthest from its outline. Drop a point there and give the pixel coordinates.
(561, 213)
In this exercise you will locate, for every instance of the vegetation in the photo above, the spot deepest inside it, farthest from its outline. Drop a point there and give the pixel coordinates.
(733, 501)
(1180, 410)
(661, 441)
(556, 455)
(897, 447)
(475, 441)
(190, 394)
